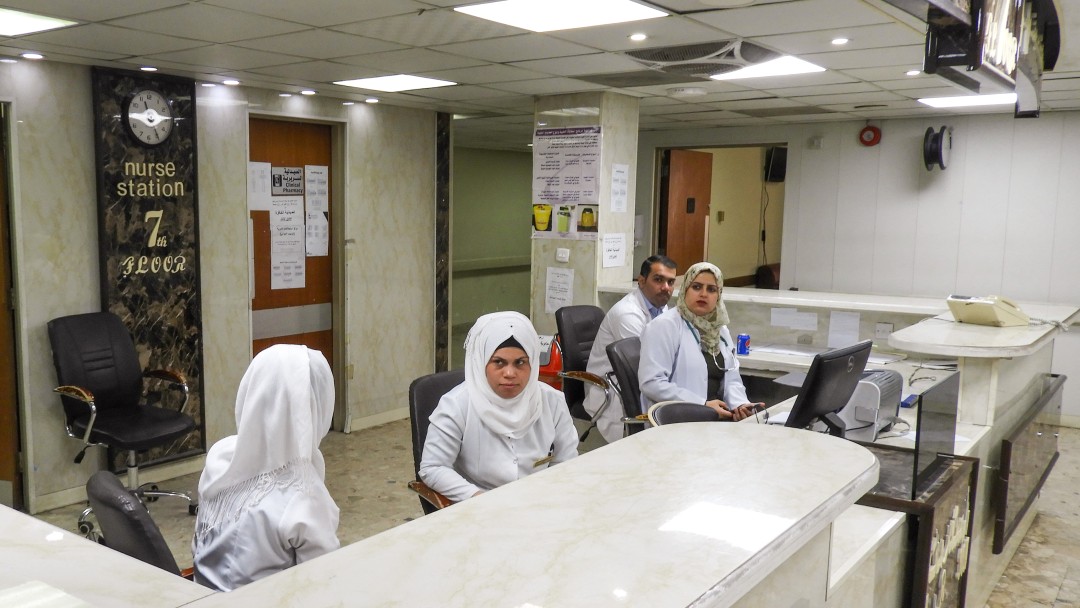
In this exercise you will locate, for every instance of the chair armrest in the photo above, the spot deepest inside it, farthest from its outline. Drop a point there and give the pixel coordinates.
(585, 377)
(431, 496)
(641, 419)
(75, 392)
(167, 375)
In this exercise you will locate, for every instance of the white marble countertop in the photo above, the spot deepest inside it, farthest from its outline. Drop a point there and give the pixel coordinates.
(818, 299)
(32, 550)
(702, 528)
(941, 335)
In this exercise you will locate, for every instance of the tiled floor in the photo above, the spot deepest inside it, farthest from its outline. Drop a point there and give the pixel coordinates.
(367, 472)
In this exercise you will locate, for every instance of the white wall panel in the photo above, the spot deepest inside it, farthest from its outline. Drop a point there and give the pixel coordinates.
(1036, 165)
(856, 211)
(1065, 259)
(987, 145)
(937, 226)
(817, 214)
(893, 253)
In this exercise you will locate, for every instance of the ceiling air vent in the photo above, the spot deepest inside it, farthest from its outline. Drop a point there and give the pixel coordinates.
(703, 59)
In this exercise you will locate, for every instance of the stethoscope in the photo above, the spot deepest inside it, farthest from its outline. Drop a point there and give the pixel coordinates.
(697, 338)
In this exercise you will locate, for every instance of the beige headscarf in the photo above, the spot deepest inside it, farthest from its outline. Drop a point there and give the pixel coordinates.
(503, 416)
(709, 325)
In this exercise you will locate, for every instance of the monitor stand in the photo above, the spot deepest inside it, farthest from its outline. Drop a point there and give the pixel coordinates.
(834, 423)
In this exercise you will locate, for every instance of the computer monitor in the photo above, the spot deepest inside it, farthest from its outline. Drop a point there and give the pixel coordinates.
(828, 387)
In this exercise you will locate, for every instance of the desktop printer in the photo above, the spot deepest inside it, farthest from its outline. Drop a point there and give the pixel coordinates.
(873, 405)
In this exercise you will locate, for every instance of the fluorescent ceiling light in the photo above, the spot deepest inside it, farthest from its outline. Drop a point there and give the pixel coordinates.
(970, 100)
(17, 23)
(781, 66)
(552, 15)
(393, 84)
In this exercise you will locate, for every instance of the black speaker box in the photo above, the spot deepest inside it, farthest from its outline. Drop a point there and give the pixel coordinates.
(775, 164)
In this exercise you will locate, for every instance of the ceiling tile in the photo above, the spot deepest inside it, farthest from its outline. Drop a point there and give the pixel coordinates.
(411, 61)
(111, 39)
(516, 48)
(889, 72)
(318, 71)
(549, 86)
(81, 10)
(788, 17)
(330, 12)
(869, 58)
(577, 65)
(460, 92)
(853, 98)
(429, 28)
(666, 31)
(204, 22)
(15, 47)
(864, 37)
(826, 89)
(224, 56)
(484, 74)
(319, 44)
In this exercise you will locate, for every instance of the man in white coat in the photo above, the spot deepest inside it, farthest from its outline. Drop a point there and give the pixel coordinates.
(627, 318)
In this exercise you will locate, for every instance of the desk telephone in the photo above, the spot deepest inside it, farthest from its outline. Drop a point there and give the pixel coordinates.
(996, 311)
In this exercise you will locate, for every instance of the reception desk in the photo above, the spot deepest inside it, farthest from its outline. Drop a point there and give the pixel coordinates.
(42, 565)
(682, 515)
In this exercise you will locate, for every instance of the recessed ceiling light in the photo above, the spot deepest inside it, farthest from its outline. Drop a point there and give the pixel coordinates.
(685, 91)
(231, 83)
(348, 103)
(727, 3)
(913, 72)
(32, 56)
(209, 85)
(148, 68)
(969, 100)
(284, 94)
(371, 100)
(840, 41)
(638, 37)
(552, 15)
(308, 92)
(9, 60)
(393, 84)
(17, 23)
(781, 66)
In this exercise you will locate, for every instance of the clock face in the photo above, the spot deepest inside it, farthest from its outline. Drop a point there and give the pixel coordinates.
(149, 117)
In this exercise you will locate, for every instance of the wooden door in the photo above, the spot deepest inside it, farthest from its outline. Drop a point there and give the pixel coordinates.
(10, 478)
(292, 315)
(685, 192)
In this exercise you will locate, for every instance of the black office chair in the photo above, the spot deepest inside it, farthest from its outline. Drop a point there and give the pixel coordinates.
(126, 525)
(101, 388)
(624, 356)
(424, 395)
(577, 326)
(671, 412)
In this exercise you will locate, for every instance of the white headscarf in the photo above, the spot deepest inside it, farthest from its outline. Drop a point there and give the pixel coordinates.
(283, 410)
(709, 325)
(503, 416)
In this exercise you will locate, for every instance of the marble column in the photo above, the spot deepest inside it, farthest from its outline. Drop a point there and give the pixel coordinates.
(617, 117)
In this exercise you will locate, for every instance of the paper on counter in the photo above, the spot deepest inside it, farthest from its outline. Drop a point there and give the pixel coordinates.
(843, 328)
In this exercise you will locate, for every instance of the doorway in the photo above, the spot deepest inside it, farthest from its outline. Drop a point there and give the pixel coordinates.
(292, 248)
(10, 476)
(740, 231)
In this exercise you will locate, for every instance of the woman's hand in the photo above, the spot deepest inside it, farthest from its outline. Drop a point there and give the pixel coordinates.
(720, 408)
(746, 410)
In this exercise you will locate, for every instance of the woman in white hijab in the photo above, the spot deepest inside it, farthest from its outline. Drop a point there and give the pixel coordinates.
(687, 353)
(264, 506)
(501, 424)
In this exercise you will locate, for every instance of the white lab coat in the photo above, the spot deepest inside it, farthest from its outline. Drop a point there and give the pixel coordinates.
(672, 367)
(287, 527)
(626, 319)
(462, 456)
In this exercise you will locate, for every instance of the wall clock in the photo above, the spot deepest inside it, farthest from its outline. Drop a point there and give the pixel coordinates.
(148, 117)
(937, 146)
